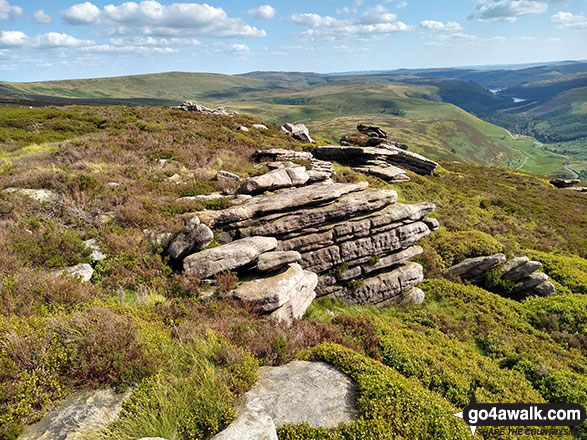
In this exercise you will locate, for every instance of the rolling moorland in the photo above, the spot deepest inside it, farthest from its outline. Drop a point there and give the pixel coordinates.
(464, 115)
(140, 325)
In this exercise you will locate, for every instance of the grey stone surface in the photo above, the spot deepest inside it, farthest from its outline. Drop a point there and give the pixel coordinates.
(82, 272)
(97, 253)
(299, 302)
(312, 392)
(298, 131)
(273, 180)
(271, 261)
(388, 173)
(519, 268)
(250, 425)
(475, 269)
(230, 256)
(228, 182)
(413, 297)
(270, 293)
(564, 183)
(529, 283)
(281, 201)
(40, 195)
(193, 238)
(260, 127)
(544, 289)
(78, 417)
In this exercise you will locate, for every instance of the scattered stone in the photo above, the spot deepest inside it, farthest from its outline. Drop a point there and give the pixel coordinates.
(40, 195)
(295, 308)
(519, 268)
(271, 261)
(113, 184)
(204, 197)
(191, 106)
(413, 297)
(176, 178)
(79, 417)
(97, 254)
(230, 256)
(193, 238)
(298, 131)
(83, 272)
(579, 189)
(260, 127)
(281, 155)
(228, 182)
(475, 269)
(432, 223)
(243, 128)
(389, 173)
(372, 131)
(162, 238)
(564, 183)
(545, 289)
(529, 283)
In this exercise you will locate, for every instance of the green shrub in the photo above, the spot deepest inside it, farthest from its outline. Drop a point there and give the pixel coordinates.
(570, 271)
(454, 247)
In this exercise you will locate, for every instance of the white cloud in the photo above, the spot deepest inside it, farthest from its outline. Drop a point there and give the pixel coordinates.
(375, 21)
(462, 39)
(509, 10)
(347, 10)
(150, 17)
(402, 4)
(130, 49)
(48, 40)
(569, 20)
(42, 18)
(434, 25)
(9, 11)
(265, 12)
(155, 42)
(378, 14)
(81, 13)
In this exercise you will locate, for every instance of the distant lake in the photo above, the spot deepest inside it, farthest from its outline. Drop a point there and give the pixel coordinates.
(516, 100)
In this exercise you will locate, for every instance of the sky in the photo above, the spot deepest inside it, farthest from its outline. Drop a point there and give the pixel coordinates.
(64, 39)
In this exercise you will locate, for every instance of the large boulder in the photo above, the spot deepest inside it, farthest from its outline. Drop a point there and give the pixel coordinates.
(270, 293)
(83, 272)
(298, 131)
(40, 195)
(228, 257)
(193, 238)
(564, 183)
(228, 182)
(96, 251)
(389, 173)
(529, 283)
(475, 269)
(544, 289)
(303, 392)
(81, 416)
(372, 131)
(250, 425)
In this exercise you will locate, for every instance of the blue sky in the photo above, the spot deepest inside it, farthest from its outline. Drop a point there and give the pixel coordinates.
(42, 40)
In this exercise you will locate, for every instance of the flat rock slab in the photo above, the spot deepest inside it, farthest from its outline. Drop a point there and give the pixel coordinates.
(249, 426)
(78, 417)
(312, 392)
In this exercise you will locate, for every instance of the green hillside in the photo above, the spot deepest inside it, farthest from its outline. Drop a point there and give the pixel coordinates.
(187, 358)
(429, 113)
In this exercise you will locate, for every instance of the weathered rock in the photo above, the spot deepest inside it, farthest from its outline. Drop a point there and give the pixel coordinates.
(518, 268)
(529, 283)
(191, 106)
(162, 238)
(303, 392)
(372, 131)
(230, 256)
(270, 293)
(579, 189)
(392, 260)
(40, 195)
(83, 272)
(432, 223)
(475, 269)
(243, 128)
(385, 286)
(260, 127)
(564, 183)
(345, 207)
(279, 155)
(228, 182)
(273, 180)
(193, 238)
(389, 173)
(298, 131)
(295, 308)
(250, 425)
(97, 254)
(270, 261)
(413, 297)
(176, 178)
(80, 417)
(282, 201)
(544, 289)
